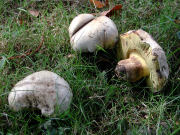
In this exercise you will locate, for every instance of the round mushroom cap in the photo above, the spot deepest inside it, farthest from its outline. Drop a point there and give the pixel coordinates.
(78, 22)
(44, 90)
(142, 43)
(87, 34)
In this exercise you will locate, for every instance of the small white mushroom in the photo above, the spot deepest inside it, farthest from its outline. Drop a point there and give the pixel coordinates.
(143, 57)
(44, 90)
(87, 32)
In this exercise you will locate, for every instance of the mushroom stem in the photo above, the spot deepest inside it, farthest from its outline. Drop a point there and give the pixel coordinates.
(133, 69)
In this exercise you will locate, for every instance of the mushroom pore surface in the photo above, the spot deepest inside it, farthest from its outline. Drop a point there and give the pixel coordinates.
(142, 57)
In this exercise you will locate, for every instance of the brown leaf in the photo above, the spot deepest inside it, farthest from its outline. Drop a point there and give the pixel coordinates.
(107, 3)
(20, 21)
(177, 21)
(34, 13)
(111, 11)
(99, 4)
(70, 56)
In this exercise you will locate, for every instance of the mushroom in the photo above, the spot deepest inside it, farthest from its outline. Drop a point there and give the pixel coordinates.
(44, 90)
(87, 32)
(143, 57)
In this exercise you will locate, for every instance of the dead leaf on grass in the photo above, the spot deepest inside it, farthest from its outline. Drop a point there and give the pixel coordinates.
(99, 4)
(70, 56)
(21, 21)
(111, 11)
(177, 21)
(177, 123)
(34, 13)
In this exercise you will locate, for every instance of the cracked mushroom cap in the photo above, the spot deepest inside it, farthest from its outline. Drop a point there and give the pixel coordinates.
(44, 90)
(87, 32)
(141, 42)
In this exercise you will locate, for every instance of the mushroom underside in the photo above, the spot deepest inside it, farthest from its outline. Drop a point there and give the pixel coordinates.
(142, 58)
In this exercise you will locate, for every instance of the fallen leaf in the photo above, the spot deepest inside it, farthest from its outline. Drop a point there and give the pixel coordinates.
(99, 4)
(34, 13)
(20, 21)
(107, 3)
(70, 56)
(177, 21)
(177, 123)
(111, 11)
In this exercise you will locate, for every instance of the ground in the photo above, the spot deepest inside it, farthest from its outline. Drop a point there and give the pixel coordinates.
(101, 103)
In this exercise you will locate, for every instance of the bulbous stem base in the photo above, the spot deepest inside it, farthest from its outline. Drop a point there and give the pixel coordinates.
(132, 69)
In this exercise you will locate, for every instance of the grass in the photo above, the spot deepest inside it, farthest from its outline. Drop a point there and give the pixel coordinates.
(101, 104)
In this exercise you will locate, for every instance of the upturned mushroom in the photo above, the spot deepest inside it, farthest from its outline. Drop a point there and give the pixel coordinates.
(87, 32)
(142, 58)
(43, 90)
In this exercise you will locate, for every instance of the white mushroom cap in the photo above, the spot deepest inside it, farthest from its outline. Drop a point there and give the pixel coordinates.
(87, 32)
(150, 51)
(44, 90)
(78, 22)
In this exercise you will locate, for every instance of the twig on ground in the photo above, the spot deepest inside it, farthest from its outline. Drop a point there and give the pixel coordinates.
(29, 52)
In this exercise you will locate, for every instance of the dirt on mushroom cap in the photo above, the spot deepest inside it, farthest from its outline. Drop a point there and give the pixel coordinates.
(44, 90)
(100, 31)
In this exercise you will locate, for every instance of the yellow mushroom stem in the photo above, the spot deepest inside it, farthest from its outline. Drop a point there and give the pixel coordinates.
(132, 69)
